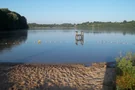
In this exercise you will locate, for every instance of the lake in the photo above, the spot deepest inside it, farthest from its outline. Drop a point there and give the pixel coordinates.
(60, 46)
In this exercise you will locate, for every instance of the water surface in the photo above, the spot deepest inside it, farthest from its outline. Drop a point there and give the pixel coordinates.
(60, 46)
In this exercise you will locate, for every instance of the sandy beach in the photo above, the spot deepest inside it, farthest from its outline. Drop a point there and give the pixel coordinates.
(56, 77)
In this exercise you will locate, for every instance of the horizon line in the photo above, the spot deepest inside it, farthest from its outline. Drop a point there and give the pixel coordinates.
(83, 22)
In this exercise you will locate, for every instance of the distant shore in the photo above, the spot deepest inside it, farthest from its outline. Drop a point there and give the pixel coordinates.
(18, 76)
(96, 25)
(51, 28)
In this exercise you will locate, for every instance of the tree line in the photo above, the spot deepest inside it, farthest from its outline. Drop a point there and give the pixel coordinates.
(90, 25)
(10, 20)
(64, 25)
(96, 24)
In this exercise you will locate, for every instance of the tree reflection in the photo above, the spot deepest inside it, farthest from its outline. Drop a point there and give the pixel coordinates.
(8, 40)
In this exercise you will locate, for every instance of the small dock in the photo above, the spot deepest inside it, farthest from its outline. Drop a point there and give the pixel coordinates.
(79, 37)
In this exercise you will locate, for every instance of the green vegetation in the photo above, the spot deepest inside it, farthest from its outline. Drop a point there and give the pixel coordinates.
(11, 20)
(40, 26)
(107, 25)
(96, 25)
(125, 72)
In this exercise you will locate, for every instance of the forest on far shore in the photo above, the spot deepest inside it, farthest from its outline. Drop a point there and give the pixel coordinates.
(88, 25)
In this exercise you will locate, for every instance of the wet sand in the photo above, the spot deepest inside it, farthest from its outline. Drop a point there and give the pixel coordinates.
(56, 77)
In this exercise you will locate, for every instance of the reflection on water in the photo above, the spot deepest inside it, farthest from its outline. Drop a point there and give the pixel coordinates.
(9, 40)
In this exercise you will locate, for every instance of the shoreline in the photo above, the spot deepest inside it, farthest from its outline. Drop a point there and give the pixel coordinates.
(32, 76)
(109, 64)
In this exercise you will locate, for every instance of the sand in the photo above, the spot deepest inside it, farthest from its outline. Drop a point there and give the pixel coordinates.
(56, 77)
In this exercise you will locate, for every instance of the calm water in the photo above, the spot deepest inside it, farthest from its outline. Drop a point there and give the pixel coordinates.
(60, 46)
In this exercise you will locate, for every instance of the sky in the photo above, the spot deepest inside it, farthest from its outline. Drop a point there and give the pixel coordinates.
(72, 11)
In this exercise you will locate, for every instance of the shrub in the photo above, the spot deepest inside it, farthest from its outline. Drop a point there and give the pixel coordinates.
(125, 71)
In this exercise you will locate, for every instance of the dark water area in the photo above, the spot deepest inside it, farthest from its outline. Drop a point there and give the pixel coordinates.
(61, 46)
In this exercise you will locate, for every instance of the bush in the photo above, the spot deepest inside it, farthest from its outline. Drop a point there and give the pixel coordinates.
(125, 71)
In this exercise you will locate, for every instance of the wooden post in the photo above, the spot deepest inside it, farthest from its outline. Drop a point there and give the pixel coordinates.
(76, 33)
(82, 34)
(82, 37)
(76, 36)
(76, 42)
